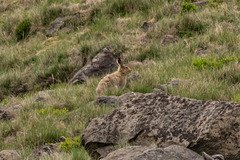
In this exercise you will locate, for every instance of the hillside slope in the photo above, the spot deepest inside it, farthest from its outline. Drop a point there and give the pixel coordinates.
(176, 40)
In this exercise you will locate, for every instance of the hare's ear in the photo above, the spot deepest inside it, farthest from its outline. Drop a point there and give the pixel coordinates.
(119, 61)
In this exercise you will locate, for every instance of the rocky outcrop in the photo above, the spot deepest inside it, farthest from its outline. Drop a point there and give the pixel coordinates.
(10, 112)
(172, 152)
(66, 23)
(9, 155)
(45, 150)
(161, 119)
(103, 63)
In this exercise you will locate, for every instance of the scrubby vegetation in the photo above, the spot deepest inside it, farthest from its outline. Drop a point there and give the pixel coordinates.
(36, 63)
(23, 29)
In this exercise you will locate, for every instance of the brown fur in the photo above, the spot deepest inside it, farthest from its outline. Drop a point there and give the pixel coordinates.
(115, 80)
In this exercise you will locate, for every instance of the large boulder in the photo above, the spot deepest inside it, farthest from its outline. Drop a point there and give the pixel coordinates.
(9, 155)
(172, 152)
(161, 119)
(103, 63)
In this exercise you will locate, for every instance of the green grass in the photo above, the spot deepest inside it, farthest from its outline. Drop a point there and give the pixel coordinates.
(36, 63)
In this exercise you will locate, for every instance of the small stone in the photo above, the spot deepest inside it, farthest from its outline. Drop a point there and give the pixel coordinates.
(9, 155)
(169, 39)
(218, 157)
(62, 139)
(172, 84)
(135, 76)
(147, 25)
(200, 51)
(200, 3)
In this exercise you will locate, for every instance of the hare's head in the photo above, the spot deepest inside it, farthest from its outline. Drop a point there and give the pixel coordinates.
(123, 69)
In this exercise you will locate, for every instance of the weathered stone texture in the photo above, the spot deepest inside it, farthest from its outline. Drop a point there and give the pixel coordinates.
(172, 152)
(161, 119)
(103, 63)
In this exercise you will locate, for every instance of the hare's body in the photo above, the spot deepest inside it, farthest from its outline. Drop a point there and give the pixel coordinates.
(115, 80)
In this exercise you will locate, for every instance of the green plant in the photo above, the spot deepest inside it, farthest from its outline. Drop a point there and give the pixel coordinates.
(237, 98)
(5, 101)
(70, 144)
(188, 7)
(36, 88)
(58, 112)
(23, 29)
(210, 63)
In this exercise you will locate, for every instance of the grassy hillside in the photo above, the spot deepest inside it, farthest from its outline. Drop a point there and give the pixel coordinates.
(33, 63)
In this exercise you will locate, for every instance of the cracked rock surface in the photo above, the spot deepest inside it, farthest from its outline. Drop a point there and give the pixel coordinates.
(163, 120)
(172, 152)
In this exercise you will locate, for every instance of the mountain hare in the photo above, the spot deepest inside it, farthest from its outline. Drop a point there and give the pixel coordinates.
(116, 79)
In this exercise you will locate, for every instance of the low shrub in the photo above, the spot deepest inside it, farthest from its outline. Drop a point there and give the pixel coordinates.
(23, 29)
(210, 63)
(237, 98)
(188, 7)
(70, 144)
(46, 111)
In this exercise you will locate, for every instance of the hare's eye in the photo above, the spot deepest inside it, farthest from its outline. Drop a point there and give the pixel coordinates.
(126, 67)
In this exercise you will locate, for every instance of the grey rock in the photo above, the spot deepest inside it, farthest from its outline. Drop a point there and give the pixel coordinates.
(157, 90)
(43, 95)
(214, 157)
(9, 155)
(161, 119)
(200, 3)
(9, 112)
(169, 39)
(218, 157)
(55, 26)
(103, 63)
(66, 23)
(172, 152)
(172, 84)
(146, 26)
(44, 150)
(206, 156)
(201, 51)
(135, 76)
